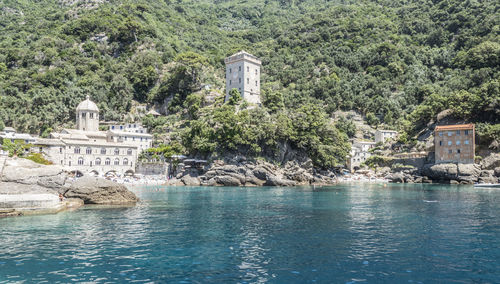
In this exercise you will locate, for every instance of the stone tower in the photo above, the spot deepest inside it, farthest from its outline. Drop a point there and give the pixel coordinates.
(243, 74)
(87, 116)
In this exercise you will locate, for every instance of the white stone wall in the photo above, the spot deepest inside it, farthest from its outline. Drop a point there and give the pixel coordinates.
(87, 120)
(243, 74)
(125, 156)
(251, 84)
(382, 136)
(55, 154)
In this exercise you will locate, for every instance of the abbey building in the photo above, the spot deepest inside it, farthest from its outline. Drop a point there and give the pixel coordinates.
(89, 150)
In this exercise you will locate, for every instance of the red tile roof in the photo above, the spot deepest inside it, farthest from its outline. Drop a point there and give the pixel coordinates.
(454, 127)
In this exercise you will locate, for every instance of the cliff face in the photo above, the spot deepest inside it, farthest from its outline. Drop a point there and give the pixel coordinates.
(30, 187)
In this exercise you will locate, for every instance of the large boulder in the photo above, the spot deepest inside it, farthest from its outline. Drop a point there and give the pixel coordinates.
(441, 171)
(463, 173)
(396, 177)
(227, 180)
(491, 161)
(27, 172)
(277, 181)
(94, 190)
(190, 180)
(261, 172)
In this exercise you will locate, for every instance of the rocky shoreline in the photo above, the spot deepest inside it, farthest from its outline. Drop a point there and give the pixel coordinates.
(244, 172)
(30, 188)
(241, 172)
(447, 173)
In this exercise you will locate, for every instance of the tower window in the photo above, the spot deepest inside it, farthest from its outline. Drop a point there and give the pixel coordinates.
(239, 68)
(255, 82)
(239, 80)
(255, 71)
(230, 70)
(230, 82)
(248, 69)
(248, 81)
(83, 115)
(91, 115)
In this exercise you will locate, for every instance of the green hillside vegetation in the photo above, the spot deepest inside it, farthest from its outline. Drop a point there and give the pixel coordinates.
(399, 62)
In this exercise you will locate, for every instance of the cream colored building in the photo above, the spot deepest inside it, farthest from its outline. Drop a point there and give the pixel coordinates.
(360, 152)
(90, 151)
(243, 74)
(384, 135)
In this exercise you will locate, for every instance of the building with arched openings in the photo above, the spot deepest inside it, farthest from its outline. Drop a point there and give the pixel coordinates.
(86, 149)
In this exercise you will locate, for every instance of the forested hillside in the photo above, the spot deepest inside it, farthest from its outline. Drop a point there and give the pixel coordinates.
(399, 62)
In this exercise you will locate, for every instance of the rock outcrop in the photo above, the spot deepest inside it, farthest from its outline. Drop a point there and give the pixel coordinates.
(23, 178)
(459, 173)
(94, 190)
(241, 172)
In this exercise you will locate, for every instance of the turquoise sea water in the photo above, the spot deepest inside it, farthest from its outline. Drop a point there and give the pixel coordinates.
(341, 234)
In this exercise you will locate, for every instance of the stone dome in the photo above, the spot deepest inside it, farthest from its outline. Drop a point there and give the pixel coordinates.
(87, 105)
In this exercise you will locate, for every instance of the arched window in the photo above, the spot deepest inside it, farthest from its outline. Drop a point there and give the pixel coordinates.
(129, 152)
(98, 161)
(77, 150)
(103, 151)
(125, 161)
(117, 151)
(117, 162)
(80, 161)
(107, 162)
(88, 151)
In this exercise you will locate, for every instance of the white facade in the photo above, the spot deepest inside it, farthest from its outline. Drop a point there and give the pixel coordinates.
(11, 134)
(360, 152)
(135, 127)
(384, 135)
(87, 116)
(143, 141)
(243, 74)
(88, 150)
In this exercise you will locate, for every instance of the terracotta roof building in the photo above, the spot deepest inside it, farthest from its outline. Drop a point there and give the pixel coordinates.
(454, 143)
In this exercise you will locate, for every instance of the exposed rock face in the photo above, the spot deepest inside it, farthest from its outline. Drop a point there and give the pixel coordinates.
(241, 172)
(100, 191)
(25, 177)
(462, 173)
(491, 161)
(21, 176)
(190, 180)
